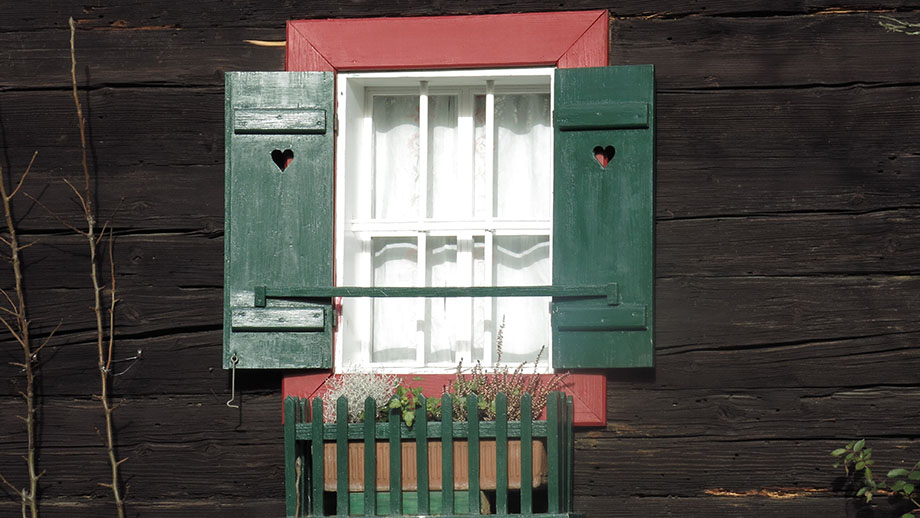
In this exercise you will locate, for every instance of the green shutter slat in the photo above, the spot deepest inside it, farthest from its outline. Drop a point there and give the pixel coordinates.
(599, 116)
(603, 215)
(279, 121)
(279, 156)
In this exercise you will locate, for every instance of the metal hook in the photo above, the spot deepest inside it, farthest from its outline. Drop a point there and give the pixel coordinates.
(233, 361)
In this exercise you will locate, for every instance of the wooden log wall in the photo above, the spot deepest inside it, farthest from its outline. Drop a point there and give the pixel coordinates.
(788, 254)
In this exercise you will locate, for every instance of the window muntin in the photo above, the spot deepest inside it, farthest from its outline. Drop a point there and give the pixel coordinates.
(443, 179)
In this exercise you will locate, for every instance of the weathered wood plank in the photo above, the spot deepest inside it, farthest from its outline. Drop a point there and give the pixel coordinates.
(216, 507)
(139, 16)
(697, 467)
(783, 502)
(767, 51)
(785, 310)
(794, 244)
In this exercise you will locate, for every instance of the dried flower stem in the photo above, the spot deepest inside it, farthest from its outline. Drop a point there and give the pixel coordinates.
(19, 328)
(104, 349)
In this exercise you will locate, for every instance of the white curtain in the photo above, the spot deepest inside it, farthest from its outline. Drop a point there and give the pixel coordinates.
(521, 189)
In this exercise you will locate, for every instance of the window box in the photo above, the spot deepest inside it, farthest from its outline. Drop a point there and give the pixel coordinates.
(467, 468)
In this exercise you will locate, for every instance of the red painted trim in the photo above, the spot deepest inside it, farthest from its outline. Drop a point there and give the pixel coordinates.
(501, 40)
(565, 39)
(586, 390)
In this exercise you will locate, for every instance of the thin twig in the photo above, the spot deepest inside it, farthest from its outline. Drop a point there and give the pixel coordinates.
(28, 497)
(103, 348)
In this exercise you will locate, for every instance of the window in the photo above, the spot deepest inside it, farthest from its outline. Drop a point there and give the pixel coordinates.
(444, 178)
(281, 218)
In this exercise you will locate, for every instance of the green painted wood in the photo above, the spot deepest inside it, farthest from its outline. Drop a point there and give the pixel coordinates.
(370, 459)
(526, 454)
(305, 494)
(278, 223)
(394, 417)
(609, 291)
(472, 416)
(501, 453)
(460, 430)
(447, 454)
(625, 317)
(603, 214)
(569, 454)
(341, 457)
(277, 319)
(602, 116)
(279, 121)
(552, 452)
(316, 455)
(290, 456)
(421, 456)
(410, 503)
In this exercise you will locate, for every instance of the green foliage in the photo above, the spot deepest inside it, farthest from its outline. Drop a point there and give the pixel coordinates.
(856, 459)
(406, 400)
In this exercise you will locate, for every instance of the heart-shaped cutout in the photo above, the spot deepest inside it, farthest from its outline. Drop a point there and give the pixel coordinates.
(604, 155)
(282, 159)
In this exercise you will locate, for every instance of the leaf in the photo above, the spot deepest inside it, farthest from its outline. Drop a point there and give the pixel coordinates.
(838, 452)
(908, 488)
(859, 445)
(898, 485)
(914, 475)
(907, 515)
(897, 472)
(862, 491)
(409, 417)
(868, 496)
(860, 465)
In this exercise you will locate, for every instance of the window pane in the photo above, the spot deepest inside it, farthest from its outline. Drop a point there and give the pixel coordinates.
(447, 322)
(522, 261)
(523, 156)
(449, 185)
(396, 148)
(482, 201)
(397, 320)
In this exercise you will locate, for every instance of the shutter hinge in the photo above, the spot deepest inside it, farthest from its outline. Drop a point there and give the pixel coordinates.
(335, 124)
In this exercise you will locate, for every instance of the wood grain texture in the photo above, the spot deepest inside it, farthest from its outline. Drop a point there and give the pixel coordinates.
(786, 273)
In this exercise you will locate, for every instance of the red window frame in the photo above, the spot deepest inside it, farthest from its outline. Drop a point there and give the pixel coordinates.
(564, 39)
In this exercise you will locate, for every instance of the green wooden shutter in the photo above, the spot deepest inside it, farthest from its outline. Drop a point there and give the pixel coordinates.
(603, 215)
(279, 157)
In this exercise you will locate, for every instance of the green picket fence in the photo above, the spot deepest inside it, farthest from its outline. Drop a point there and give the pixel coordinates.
(312, 489)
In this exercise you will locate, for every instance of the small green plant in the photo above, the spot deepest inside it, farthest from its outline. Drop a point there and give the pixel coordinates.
(406, 400)
(856, 460)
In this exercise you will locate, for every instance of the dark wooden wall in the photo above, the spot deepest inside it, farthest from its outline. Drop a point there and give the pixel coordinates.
(788, 253)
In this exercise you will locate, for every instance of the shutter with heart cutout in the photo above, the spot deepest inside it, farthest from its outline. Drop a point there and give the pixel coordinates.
(603, 216)
(279, 203)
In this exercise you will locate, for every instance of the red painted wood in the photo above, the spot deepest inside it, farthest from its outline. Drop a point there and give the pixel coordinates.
(485, 41)
(564, 39)
(591, 48)
(586, 390)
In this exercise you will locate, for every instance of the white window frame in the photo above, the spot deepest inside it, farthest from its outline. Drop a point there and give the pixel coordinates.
(354, 124)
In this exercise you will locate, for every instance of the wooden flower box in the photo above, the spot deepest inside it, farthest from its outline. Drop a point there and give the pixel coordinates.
(444, 468)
